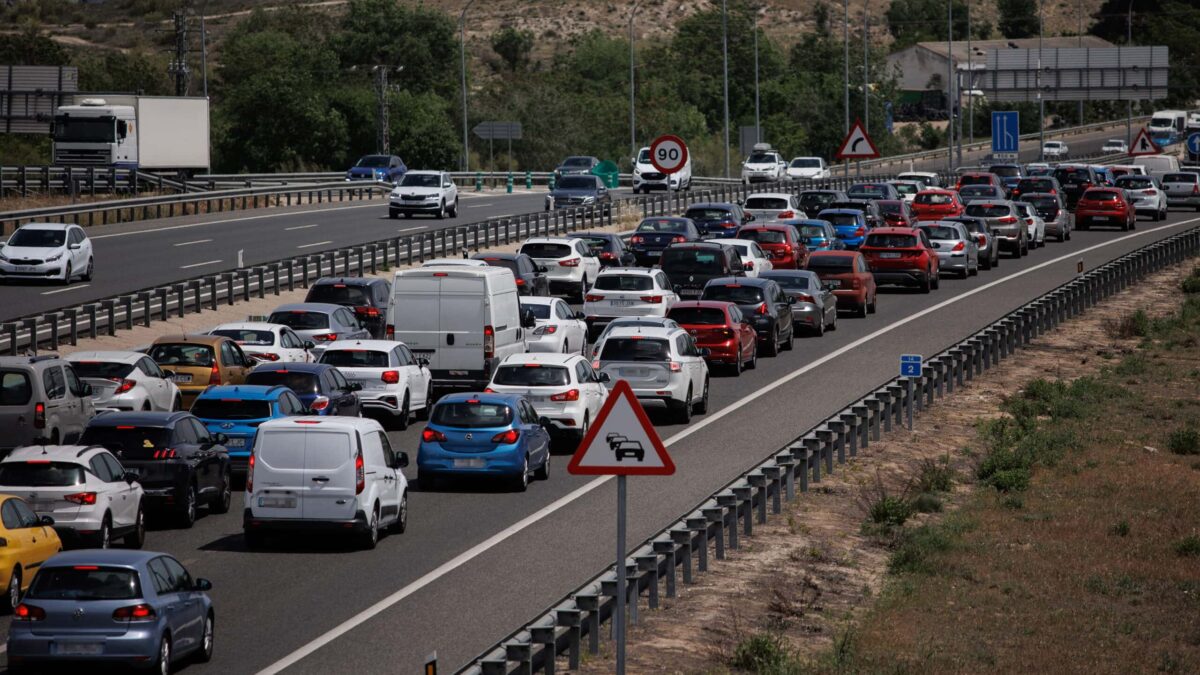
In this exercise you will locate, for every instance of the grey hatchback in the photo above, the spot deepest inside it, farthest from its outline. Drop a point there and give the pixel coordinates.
(41, 398)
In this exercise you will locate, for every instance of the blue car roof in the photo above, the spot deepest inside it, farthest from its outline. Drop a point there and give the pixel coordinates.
(97, 556)
(246, 392)
(313, 368)
(139, 418)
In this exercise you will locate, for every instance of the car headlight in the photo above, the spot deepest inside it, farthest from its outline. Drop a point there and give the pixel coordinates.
(589, 199)
(54, 257)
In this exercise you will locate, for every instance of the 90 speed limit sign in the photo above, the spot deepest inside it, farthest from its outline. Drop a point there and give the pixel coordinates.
(668, 154)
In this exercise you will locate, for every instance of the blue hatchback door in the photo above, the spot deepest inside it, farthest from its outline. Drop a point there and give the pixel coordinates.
(182, 605)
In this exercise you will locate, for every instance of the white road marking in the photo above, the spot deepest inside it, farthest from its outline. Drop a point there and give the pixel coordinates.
(319, 243)
(299, 227)
(199, 264)
(548, 510)
(64, 290)
(189, 243)
(410, 229)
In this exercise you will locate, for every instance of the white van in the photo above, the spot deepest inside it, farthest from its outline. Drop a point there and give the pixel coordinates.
(1158, 165)
(324, 473)
(464, 320)
(647, 178)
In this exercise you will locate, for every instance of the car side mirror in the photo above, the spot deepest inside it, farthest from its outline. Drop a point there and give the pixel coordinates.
(603, 377)
(202, 585)
(704, 351)
(86, 389)
(545, 423)
(528, 320)
(309, 344)
(580, 316)
(401, 460)
(542, 269)
(219, 439)
(354, 386)
(423, 362)
(74, 247)
(132, 476)
(46, 521)
(791, 300)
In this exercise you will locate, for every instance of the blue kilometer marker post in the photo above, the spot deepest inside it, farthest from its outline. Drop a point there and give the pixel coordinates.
(910, 367)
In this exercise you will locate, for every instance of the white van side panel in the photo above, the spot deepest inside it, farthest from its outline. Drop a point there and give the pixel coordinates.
(1158, 165)
(506, 311)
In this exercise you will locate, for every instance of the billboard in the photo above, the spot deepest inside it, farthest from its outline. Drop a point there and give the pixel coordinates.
(1075, 74)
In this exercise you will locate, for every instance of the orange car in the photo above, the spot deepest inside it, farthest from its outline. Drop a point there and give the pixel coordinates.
(854, 285)
(937, 204)
(196, 361)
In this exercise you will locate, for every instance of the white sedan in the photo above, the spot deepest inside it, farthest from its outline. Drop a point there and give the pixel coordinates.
(125, 381)
(395, 384)
(264, 342)
(753, 257)
(558, 330)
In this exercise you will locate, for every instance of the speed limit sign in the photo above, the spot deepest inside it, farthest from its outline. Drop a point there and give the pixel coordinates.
(668, 154)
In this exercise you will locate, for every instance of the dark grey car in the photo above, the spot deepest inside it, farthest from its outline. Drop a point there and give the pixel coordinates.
(985, 239)
(367, 297)
(531, 277)
(816, 201)
(1053, 212)
(1002, 218)
(578, 190)
(576, 165)
(815, 307)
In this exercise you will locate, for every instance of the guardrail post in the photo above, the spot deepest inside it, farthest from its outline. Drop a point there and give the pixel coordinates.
(938, 376)
(244, 278)
(31, 326)
(261, 272)
(813, 447)
(544, 636)
(72, 315)
(590, 603)
(665, 547)
(571, 619)
(714, 515)
(729, 505)
(875, 407)
(885, 397)
(127, 305)
(745, 507)
(227, 277)
(521, 653)
(825, 436)
(197, 305)
(161, 294)
(758, 481)
(838, 427)
(803, 458)
(683, 545)
(52, 319)
(863, 413)
(698, 524)
(11, 329)
(851, 420)
(774, 475)
(212, 291)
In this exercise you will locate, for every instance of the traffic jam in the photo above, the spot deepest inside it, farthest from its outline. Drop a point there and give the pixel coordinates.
(503, 360)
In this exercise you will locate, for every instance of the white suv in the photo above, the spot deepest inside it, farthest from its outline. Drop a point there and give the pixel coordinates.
(626, 291)
(764, 164)
(47, 251)
(394, 382)
(90, 496)
(561, 387)
(662, 365)
(1055, 150)
(570, 263)
(431, 192)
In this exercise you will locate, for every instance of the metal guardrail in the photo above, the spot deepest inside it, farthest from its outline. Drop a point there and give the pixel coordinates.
(717, 523)
(79, 181)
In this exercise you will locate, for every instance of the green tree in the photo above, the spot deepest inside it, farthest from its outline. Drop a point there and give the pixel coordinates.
(1174, 23)
(121, 71)
(384, 32)
(513, 46)
(31, 47)
(913, 21)
(1018, 18)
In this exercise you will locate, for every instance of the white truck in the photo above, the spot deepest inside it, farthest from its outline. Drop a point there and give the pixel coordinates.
(1167, 126)
(150, 133)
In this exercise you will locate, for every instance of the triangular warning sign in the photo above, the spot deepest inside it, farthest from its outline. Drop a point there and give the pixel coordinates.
(621, 441)
(857, 144)
(1144, 145)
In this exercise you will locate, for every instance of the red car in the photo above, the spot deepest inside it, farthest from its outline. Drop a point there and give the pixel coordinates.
(979, 178)
(722, 328)
(781, 243)
(897, 213)
(901, 256)
(1104, 206)
(854, 285)
(937, 204)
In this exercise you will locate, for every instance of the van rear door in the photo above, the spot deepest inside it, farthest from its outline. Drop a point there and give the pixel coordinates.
(463, 316)
(329, 474)
(416, 314)
(279, 473)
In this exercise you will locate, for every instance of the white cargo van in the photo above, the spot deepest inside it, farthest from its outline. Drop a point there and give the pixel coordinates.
(464, 320)
(324, 473)
(1158, 165)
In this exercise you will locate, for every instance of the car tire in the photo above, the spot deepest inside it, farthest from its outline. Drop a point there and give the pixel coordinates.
(104, 538)
(207, 641)
(833, 324)
(543, 471)
(224, 498)
(986, 264)
(14, 589)
(137, 538)
(739, 363)
(67, 274)
(583, 288)
(753, 362)
(683, 411)
(423, 413)
(442, 211)
(402, 419)
(819, 330)
(185, 515)
(454, 209)
(400, 525)
(789, 343)
(926, 283)
(177, 404)
(369, 538)
(702, 407)
(91, 269)
(521, 481)
(162, 663)
(773, 343)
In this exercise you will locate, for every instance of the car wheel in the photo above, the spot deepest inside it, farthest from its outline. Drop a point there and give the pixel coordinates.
(454, 209)
(583, 287)
(702, 406)
(833, 324)
(790, 341)
(423, 413)
(67, 274)
(224, 498)
(91, 268)
(543, 471)
(370, 537)
(205, 653)
(104, 538)
(926, 283)
(137, 538)
(521, 482)
(186, 514)
(753, 362)
(163, 664)
(442, 211)
(773, 343)
(819, 331)
(405, 413)
(739, 365)
(683, 411)
(14, 589)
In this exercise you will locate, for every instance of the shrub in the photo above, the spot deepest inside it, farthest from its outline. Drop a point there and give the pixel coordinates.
(760, 653)
(1127, 326)
(1191, 284)
(1009, 480)
(890, 510)
(934, 475)
(917, 548)
(1121, 529)
(1188, 546)
(927, 503)
(1184, 442)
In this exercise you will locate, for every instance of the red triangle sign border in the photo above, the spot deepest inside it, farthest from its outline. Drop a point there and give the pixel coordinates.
(844, 150)
(621, 390)
(1143, 135)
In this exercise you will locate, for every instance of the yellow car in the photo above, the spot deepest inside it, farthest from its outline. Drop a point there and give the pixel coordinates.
(26, 542)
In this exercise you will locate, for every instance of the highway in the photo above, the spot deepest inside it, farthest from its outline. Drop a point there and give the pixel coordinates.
(476, 563)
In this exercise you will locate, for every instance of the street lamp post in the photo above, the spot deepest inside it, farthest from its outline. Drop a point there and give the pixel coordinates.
(866, 70)
(462, 52)
(632, 114)
(725, 76)
(950, 84)
(757, 121)
(970, 82)
(1129, 103)
(1041, 100)
(846, 75)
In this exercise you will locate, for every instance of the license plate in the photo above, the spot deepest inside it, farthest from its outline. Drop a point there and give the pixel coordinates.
(888, 254)
(277, 502)
(236, 443)
(836, 283)
(469, 463)
(635, 372)
(79, 648)
(24, 268)
(181, 378)
(1099, 218)
(621, 303)
(690, 292)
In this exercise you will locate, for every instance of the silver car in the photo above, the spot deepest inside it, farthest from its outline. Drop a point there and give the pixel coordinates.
(126, 381)
(1034, 222)
(985, 239)
(1183, 189)
(320, 322)
(41, 399)
(1011, 234)
(649, 321)
(1055, 216)
(957, 251)
(815, 305)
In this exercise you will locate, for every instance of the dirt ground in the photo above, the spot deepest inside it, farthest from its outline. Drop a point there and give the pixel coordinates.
(808, 573)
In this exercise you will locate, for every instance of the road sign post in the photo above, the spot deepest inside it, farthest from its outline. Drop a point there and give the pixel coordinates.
(668, 154)
(910, 367)
(622, 442)
(1006, 134)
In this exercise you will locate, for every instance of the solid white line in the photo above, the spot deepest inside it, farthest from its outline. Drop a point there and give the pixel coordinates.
(299, 227)
(64, 290)
(548, 510)
(189, 243)
(200, 264)
(319, 243)
(410, 229)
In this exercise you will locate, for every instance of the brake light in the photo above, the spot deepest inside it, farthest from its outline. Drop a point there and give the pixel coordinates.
(571, 395)
(596, 364)
(366, 311)
(360, 473)
(676, 366)
(982, 240)
(861, 231)
(804, 297)
(82, 498)
(390, 331)
(637, 239)
(327, 337)
(573, 262)
(678, 239)
(319, 404)
(507, 437)
(749, 264)
(250, 475)
(24, 612)
(545, 330)
(214, 377)
(124, 386)
(520, 282)
(489, 342)
(786, 214)
(607, 256)
(488, 390)
(169, 453)
(1008, 220)
(592, 297)
(761, 309)
(39, 416)
(959, 246)
(141, 612)
(1196, 189)
(652, 299)
(390, 377)
(430, 435)
(266, 356)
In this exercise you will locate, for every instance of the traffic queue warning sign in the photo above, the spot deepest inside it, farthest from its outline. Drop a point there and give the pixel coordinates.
(622, 441)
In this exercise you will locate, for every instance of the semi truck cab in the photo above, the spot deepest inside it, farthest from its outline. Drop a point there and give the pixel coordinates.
(95, 133)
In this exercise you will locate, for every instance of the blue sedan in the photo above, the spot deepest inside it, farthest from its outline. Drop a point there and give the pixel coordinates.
(134, 608)
(486, 435)
(850, 225)
(237, 410)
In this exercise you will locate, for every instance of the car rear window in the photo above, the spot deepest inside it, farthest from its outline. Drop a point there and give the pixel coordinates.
(299, 319)
(531, 375)
(891, 208)
(623, 282)
(546, 250)
(635, 348)
(905, 188)
(978, 191)
(932, 198)
(14, 388)
(698, 316)
(766, 203)
(539, 311)
(1044, 204)
(102, 369)
(791, 282)
(868, 191)
(989, 210)
(1072, 176)
(468, 415)
(182, 354)
(708, 214)
(596, 245)
(85, 582)
(1100, 196)
(692, 261)
(355, 358)
(339, 294)
(890, 241)
(817, 231)
(975, 179)
(1181, 178)
(132, 442)
(1006, 171)
(41, 473)
(506, 263)
(301, 383)
(250, 338)
(937, 232)
(230, 409)
(1136, 183)
(742, 295)
(1038, 185)
(662, 225)
(764, 236)
(831, 263)
(808, 199)
(842, 219)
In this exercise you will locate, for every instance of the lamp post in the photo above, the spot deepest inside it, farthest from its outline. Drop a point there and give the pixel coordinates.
(1041, 100)
(1129, 103)
(632, 114)
(866, 70)
(950, 85)
(462, 52)
(1080, 44)
(757, 122)
(970, 82)
(725, 75)
(846, 75)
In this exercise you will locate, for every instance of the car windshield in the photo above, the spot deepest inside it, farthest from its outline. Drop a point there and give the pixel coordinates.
(1006, 171)
(472, 415)
(764, 236)
(183, 354)
(546, 250)
(374, 161)
(355, 358)
(761, 158)
(691, 261)
(577, 183)
(842, 219)
(102, 369)
(698, 316)
(33, 237)
(248, 337)
(742, 295)
(708, 214)
(301, 383)
(866, 191)
(940, 232)
(936, 198)
(662, 225)
(1100, 196)
(806, 163)
(790, 282)
(1056, 144)
(80, 583)
(421, 180)
(890, 241)
(644, 156)
(129, 441)
(831, 263)
(14, 388)
(635, 348)
(299, 319)
(41, 473)
(578, 161)
(988, 210)
(339, 294)
(531, 375)
(766, 203)
(230, 409)
(623, 282)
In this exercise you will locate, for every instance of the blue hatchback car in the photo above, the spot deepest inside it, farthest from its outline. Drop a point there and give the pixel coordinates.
(237, 410)
(850, 224)
(492, 435)
(385, 168)
(134, 608)
(817, 235)
(320, 387)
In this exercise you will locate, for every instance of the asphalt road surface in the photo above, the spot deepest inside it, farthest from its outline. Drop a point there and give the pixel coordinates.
(477, 563)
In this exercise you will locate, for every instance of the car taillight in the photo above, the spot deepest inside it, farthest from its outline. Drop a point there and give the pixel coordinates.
(596, 364)
(786, 214)
(1196, 189)
(573, 262)
(788, 250)
(592, 297)
(545, 330)
(637, 239)
(214, 377)
(360, 473)
(652, 299)
(318, 404)
(507, 437)
(982, 240)
(571, 395)
(390, 377)
(327, 337)
(82, 498)
(678, 239)
(430, 435)
(266, 356)
(124, 386)
(250, 475)
(749, 264)
(489, 342)
(1008, 220)
(39, 416)
(727, 333)
(169, 453)
(607, 256)
(366, 311)
(676, 366)
(959, 246)
(804, 297)
(24, 612)
(520, 282)
(140, 612)
(761, 309)
(390, 331)
(860, 232)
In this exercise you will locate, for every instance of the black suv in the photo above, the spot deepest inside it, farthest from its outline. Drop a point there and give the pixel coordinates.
(368, 297)
(531, 277)
(179, 463)
(690, 265)
(764, 303)
(1075, 180)
(609, 247)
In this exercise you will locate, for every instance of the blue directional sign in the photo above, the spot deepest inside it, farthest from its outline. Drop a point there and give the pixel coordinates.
(1193, 143)
(1006, 133)
(910, 365)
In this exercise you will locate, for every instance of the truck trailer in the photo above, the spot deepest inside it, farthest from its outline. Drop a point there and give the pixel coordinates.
(147, 133)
